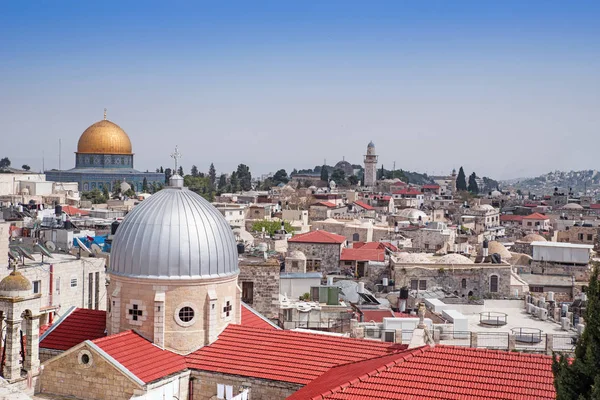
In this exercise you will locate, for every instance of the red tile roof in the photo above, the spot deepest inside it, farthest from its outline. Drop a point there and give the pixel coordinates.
(536, 216)
(288, 356)
(70, 210)
(511, 218)
(142, 358)
(408, 192)
(363, 255)
(318, 237)
(81, 325)
(374, 245)
(327, 204)
(441, 372)
(376, 315)
(364, 205)
(431, 186)
(595, 206)
(252, 319)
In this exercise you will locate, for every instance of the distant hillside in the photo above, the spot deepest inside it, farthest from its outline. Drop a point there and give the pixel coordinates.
(579, 181)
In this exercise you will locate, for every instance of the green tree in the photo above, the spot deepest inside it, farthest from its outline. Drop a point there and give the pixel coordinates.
(168, 174)
(338, 176)
(267, 184)
(145, 185)
(194, 170)
(105, 194)
(280, 177)
(162, 171)
(579, 378)
(244, 176)
(473, 187)
(129, 193)
(212, 175)
(271, 226)
(200, 185)
(4, 163)
(94, 195)
(461, 180)
(234, 182)
(324, 173)
(180, 171)
(25, 167)
(353, 180)
(116, 194)
(222, 181)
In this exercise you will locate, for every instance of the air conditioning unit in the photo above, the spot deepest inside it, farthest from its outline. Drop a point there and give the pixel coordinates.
(372, 333)
(389, 336)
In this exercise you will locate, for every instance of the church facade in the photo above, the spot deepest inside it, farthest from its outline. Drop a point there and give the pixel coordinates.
(104, 157)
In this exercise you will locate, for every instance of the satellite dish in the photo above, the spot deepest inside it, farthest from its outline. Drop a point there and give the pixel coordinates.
(96, 249)
(43, 250)
(83, 246)
(50, 245)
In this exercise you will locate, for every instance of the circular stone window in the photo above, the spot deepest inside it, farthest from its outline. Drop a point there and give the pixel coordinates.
(85, 359)
(185, 314)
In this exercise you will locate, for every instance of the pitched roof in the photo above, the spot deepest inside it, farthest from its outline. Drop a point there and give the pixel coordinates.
(327, 204)
(595, 206)
(141, 357)
(364, 205)
(374, 245)
(376, 315)
(253, 319)
(536, 216)
(362, 254)
(511, 218)
(441, 372)
(70, 210)
(76, 327)
(318, 237)
(295, 357)
(431, 186)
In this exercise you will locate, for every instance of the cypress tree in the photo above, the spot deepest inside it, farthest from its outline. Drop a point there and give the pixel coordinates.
(461, 180)
(580, 379)
(324, 174)
(473, 187)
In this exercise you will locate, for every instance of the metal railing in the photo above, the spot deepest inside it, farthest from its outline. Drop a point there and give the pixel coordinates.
(493, 340)
(329, 325)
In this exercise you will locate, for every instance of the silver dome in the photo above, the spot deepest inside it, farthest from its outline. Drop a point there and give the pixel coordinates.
(174, 234)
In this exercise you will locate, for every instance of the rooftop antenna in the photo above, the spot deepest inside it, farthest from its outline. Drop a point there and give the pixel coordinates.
(175, 155)
(43, 164)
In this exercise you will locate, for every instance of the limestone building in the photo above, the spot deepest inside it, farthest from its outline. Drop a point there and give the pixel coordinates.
(370, 166)
(104, 157)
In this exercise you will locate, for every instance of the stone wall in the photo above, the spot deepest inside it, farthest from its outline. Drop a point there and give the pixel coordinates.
(449, 277)
(205, 386)
(46, 354)
(265, 278)
(98, 380)
(328, 253)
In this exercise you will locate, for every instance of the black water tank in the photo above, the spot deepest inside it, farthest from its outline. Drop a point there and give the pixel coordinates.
(58, 210)
(241, 248)
(113, 227)
(68, 225)
(404, 293)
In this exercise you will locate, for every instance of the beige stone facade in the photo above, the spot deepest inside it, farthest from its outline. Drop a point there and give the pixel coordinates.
(259, 281)
(153, 306)
(320, 257)
(205, 386)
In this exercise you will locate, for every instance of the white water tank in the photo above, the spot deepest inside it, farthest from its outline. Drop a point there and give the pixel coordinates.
(543, 314)
(565, 324)
(385, 281)
(580, 328)
(330, 281)
(550, 296)
(262, 247)
(361, 287)
(583, 297)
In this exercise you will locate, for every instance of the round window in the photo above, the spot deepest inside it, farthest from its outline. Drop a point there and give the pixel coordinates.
(186, 314)
(85, 359)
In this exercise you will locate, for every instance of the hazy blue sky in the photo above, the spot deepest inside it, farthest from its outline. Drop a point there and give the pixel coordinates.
(505, 88)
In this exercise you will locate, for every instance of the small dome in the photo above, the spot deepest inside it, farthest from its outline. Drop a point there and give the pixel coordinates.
(496, 194)
(533, 237)
(572, 206)
(371, 144)
(412, 214)
(497, 247)
(104, 137)
(296, 255)
(483, 207)
(15, 284)
(346, 167)
(175, 234)
(454, 259)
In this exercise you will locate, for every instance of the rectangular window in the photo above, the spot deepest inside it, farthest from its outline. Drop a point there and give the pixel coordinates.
(287, 314)
(37, 286)
(536, 289)
(414, 284)
(422, 285)
(313, 265)
(494, 284)
(248, 292)
(528, 223)
(580, 236)
(589, 237)
(73, 282)
(90, 289)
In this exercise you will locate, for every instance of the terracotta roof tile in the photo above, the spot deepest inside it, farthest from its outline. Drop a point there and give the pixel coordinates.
(364, 205)
(142, 358)
(81, 325)
(536, 216)
(441, 372)
(362, 254)
(376, 315)
(252, 319)
(408, 192)
(295, 357)
(327, 204)
(511, 218)
(318, 237)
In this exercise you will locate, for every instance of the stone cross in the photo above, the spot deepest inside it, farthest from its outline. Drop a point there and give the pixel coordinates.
(175, 155)
(105, 114)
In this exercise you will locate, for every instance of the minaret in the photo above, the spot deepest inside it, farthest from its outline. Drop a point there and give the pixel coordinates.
(370, 166)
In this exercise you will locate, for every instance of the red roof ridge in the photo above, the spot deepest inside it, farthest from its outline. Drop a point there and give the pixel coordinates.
(115, 335)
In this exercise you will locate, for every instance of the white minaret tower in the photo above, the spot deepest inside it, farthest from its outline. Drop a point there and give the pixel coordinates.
(370, 166)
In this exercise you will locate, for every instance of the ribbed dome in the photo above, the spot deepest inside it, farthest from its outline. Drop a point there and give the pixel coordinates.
(15, 284)
(104, 137)
(175, 234)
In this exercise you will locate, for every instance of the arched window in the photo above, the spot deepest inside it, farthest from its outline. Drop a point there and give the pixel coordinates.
(494, 284)
(463, 283)
(355, 237)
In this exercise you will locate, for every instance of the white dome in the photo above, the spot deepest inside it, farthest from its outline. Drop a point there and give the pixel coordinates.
(483, 207)
(496, 194)
(572, 206)
(296, 255)
(412, 214)
(454, 259)
(175, 234)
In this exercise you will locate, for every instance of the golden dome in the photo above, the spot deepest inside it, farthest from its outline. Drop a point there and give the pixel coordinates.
(104, 137)
(15, 281)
